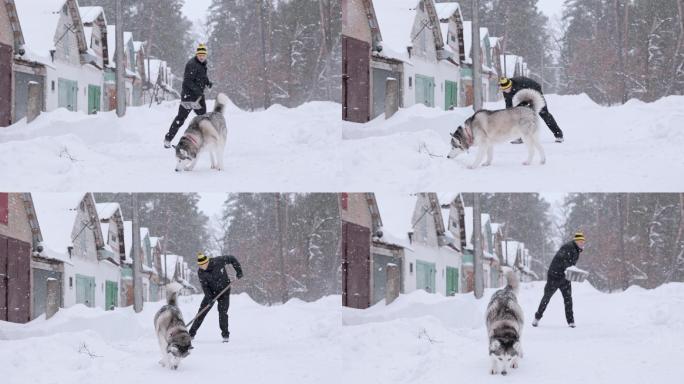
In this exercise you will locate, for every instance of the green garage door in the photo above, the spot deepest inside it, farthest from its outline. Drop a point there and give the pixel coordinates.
(425, 276)
(85, 290)
(68, 94)
(425, 90)
(451, 281)
(111, 295)
(94, 98)
(451, 95)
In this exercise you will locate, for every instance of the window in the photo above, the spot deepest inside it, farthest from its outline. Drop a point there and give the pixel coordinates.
(53, 85)
(71, 281)
(4, 208)
(410, 267)
(410, 81)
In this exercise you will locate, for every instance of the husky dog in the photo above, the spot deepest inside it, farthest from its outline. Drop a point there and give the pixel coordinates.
(504, 327)
(205, 132)
(486, 128)
(175, 342)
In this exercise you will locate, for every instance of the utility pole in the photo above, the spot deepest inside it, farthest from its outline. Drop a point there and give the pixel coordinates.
(477, 245)
(477, 65)
(137, 259)
(120, 69)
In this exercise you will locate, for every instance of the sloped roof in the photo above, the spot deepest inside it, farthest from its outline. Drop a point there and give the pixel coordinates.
(128, 240)
(445, 10)
(39, 19)
(56, 213)
(105, 211)
(90, 14)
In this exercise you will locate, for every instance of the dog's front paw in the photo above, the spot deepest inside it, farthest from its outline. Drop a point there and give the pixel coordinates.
(162, 363)
(526, 163)
(174, 367)
(486, 164)
(514, 365)
(472, 166)
(493, 371)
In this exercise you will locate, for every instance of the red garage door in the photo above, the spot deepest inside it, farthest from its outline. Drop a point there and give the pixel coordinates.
(15, 280)
(5, 85)
(355, 80)
(355, 266)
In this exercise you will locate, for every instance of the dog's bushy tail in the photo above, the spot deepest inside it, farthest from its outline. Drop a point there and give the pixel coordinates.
(512, 281)
(531, 97)
(172, 293)
(221, 101)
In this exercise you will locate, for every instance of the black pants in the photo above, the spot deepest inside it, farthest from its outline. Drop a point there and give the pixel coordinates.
(223, 304)
(183, 113)
(551, 122)
(566, 290)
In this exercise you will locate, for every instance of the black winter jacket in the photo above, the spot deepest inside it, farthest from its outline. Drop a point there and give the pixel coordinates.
(520, 83)
(194, 80)
(566, 256)
(215, 278)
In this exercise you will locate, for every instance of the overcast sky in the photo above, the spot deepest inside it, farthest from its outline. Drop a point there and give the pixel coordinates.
(211, 203)
(551, 7)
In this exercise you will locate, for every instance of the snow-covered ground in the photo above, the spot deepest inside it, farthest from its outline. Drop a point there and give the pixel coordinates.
(279, 149)
(636, 336)
(292, 343)
(634, 147)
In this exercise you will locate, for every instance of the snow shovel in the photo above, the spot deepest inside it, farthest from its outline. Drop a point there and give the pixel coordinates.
(575, 274)
(206, 308)
(192, 104)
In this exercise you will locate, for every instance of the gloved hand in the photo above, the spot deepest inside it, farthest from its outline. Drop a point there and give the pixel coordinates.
(239, 276)
(210, 84)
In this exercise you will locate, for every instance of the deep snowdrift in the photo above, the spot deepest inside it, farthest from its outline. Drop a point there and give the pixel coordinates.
(292, 343)
(279, 149)
(633, 147)
(632, 337)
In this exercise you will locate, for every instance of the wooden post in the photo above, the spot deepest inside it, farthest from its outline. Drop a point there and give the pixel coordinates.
(52, 299)
(137, 259)
(35, 101)
(393, 283)
(120, 66)
(391, 97)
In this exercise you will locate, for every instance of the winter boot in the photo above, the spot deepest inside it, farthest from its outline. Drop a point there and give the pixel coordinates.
(517, 141)
(225, 339)
(535, 322)
(571, 325)
(559, 139)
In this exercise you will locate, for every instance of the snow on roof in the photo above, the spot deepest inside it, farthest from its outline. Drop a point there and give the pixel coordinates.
(90, 14)
(395, 19)
(484, 218)
(396, 212)
(104, 227)
(39, 19)
(494, 41)
(154, 65)
(468, 38)
(154, 240)
(445, 10)
(510, 250)
(468, 218)
(88, 34)
(56, 214)
(138, 45)
(111, 43)
(511, 62)
(144, 232)
(105, 211)
(171, 262)
(128, 240)
(495, 227)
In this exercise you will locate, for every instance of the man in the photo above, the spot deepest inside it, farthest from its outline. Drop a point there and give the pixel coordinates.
(511, 86)
(214, 279)
(194, 81)
(567, 256)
